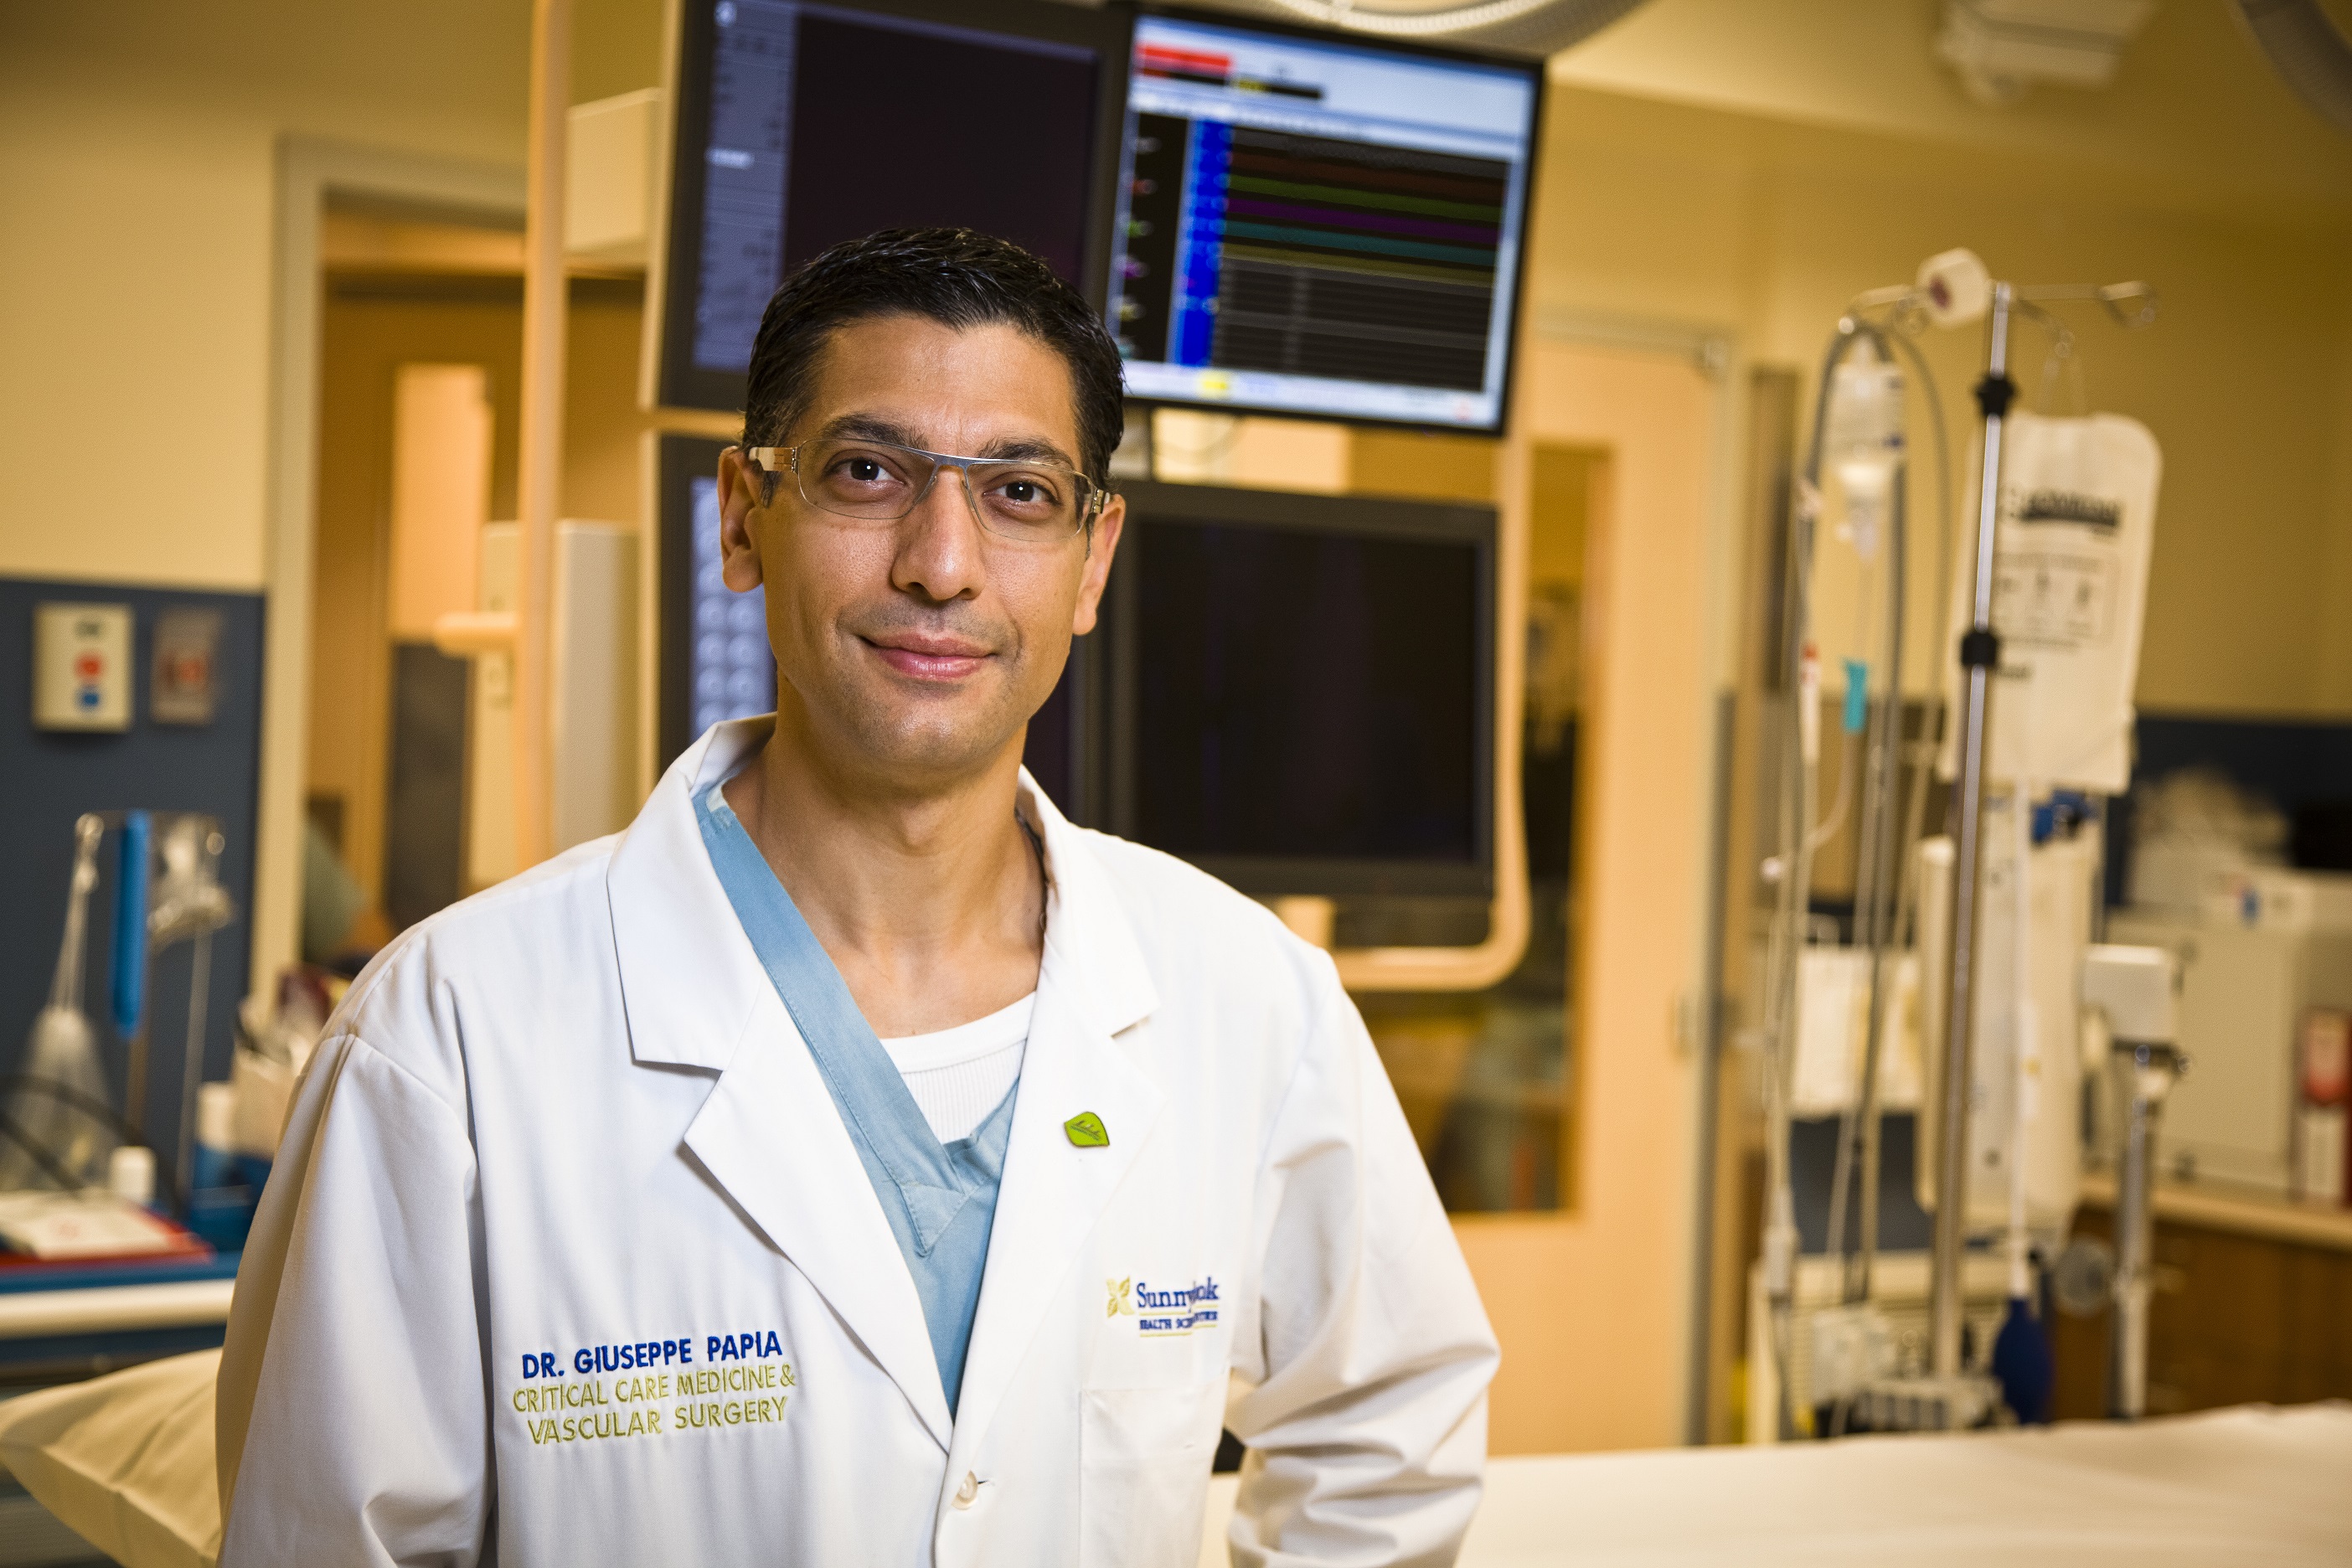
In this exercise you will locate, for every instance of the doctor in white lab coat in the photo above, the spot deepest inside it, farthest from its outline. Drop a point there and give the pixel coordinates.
(588, 1244)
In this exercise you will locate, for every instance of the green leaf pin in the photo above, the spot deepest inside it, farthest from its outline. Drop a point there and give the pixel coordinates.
(1086, 1130)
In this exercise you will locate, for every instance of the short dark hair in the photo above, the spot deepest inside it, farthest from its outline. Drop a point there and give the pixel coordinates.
(952, 276)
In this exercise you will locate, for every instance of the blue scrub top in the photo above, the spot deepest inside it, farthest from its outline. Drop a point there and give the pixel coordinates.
(939, 1198)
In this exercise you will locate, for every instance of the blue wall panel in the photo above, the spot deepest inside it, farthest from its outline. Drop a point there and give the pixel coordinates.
(48, 779)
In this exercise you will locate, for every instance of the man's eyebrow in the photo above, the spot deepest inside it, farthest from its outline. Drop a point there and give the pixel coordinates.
(869, 428)
(1009, 449)
(1029, 448)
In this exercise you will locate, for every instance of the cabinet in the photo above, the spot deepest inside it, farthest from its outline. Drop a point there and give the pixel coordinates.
(2253, 1303)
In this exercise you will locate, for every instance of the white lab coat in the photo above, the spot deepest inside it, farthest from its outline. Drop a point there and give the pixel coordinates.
(571, 1112)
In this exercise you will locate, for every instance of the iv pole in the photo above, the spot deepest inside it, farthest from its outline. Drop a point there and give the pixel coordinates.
(1979, 657)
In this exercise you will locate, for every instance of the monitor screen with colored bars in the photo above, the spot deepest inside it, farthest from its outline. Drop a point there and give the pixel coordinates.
(1318, 226)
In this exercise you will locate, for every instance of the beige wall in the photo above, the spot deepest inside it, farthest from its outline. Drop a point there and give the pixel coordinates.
(1593, 1305)
(138, 152)
(138, 147)
(1765, 228)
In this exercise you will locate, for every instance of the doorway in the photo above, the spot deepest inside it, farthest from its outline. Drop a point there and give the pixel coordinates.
(419, 369)
(1591, 1293)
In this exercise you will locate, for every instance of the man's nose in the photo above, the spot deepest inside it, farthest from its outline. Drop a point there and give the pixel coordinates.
(939, 548)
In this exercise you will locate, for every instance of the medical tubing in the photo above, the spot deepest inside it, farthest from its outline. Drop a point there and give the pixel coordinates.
(1902, 912)
(1931, 734)
(92, 1107)
(1849, 764)
(51, 1166)
(1874, 919)
(1785, 938)
(1868, 880)
(1869, 926)
(1896, 914)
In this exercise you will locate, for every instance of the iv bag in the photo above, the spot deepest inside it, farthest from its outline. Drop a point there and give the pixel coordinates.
(2070, 591)
(1865, 411)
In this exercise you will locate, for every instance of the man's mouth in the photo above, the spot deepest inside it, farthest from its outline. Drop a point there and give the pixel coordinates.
(923, 656)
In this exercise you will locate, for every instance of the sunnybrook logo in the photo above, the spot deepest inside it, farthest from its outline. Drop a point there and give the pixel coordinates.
(1159, 1313)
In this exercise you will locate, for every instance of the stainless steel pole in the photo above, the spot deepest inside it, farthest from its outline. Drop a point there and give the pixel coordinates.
(1979, 657)
(2145, 1074)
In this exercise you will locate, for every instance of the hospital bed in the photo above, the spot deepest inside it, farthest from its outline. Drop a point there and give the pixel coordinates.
(61, 1323)
(128, 1461)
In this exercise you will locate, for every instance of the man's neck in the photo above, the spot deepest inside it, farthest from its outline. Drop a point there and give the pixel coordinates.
(930, 901)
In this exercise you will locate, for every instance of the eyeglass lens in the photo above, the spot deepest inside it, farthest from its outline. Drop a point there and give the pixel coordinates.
(881, 483)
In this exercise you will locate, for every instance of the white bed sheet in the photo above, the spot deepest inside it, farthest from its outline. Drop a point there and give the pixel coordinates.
(2251, 1485)
(127, 1461)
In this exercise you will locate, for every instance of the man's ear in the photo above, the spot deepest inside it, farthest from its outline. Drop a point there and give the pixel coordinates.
(1102, 544)
(740, 486)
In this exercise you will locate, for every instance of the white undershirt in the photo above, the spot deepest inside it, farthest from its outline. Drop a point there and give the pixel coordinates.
(958, 1076)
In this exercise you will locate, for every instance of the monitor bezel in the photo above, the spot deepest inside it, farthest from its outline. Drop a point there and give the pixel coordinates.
(1534, 68)
(674, 379)
(1116, 646)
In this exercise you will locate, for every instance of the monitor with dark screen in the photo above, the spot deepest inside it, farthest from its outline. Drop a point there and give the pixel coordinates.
(1300, 691)
(797, 126)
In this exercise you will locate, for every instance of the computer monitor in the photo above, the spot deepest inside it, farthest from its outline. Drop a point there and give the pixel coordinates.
(1321, 227)
(713, 660)
(796, 126)
(1298, 691)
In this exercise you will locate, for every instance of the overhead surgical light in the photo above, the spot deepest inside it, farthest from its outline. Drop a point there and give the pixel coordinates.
(2001, 48)
(1528, 26)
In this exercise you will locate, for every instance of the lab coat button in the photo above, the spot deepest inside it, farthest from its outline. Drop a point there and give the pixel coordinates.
(968, 1491)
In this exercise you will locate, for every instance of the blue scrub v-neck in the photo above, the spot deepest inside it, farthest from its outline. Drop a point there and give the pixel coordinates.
(939, 1198)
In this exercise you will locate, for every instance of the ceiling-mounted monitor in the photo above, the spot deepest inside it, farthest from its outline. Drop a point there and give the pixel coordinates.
(796, 126)
(1320, 226)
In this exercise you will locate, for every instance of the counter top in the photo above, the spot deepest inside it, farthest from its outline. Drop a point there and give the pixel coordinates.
(40, 1299)
(2220, 1206)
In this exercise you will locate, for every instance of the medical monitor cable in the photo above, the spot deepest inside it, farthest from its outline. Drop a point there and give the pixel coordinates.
(1901, 915)
(11, 1083)
(1790, 871)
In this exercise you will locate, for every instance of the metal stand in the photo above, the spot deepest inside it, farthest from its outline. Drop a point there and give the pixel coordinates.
(2144, 1075)
(1979, 657)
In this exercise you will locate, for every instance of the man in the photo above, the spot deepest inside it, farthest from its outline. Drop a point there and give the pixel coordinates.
(853, 1162)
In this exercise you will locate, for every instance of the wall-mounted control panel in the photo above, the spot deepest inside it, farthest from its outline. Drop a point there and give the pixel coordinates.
(82, 667)
(187, 649)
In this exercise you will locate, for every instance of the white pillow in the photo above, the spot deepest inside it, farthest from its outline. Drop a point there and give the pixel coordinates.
(126, 1460)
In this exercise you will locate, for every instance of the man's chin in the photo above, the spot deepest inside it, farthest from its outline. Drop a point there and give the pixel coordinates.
(926, 741)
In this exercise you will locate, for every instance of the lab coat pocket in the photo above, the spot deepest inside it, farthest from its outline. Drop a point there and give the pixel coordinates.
(1143, 1477)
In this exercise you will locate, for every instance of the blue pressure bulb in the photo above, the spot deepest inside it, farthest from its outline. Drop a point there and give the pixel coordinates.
(2023, 1365)
(130, 924)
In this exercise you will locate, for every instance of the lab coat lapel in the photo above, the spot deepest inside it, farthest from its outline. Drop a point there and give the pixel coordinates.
(768, 1134)
(1092, 984)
